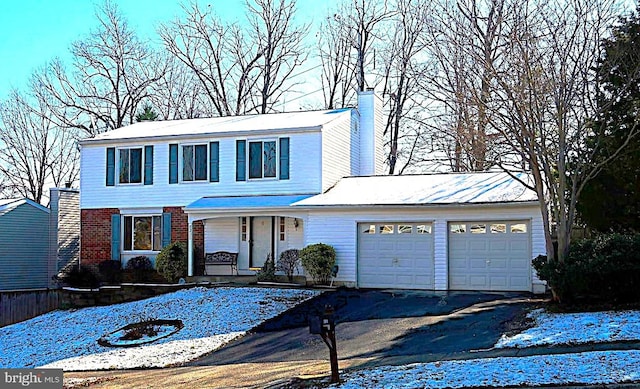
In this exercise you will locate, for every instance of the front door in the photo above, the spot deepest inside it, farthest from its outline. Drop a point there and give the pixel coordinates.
(261, 240)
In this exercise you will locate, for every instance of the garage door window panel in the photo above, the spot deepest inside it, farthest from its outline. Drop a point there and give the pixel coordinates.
(478, 229)
(458, 228)
(369, 229)
(519, 228)
(405, 229)
(386, 229)
(423, 229)
(498, 228)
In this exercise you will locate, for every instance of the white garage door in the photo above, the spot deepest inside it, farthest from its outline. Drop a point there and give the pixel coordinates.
(395, 255)
(490, 256)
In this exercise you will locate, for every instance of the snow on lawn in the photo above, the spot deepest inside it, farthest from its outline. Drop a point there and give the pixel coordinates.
(575, 328)
(597, 367)
(211, 318)
(583, 368)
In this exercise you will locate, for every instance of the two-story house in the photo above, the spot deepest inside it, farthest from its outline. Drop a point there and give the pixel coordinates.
(261, 184)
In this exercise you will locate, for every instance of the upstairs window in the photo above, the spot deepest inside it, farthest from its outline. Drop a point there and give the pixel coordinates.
(262, 159)
(133, 165)
(194, 163)
(198, 162)
(130, 166)
(259, 159)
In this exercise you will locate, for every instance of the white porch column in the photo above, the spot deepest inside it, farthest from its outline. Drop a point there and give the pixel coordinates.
(190, 264)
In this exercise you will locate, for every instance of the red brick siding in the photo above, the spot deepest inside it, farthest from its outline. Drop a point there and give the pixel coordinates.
(180, 232)
(95, 239)
(95, 243)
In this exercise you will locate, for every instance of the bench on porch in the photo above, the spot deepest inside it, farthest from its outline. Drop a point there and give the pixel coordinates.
(221, 258)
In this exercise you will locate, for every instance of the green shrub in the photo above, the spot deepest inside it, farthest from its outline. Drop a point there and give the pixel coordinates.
(171, 262)
(141, 268)
(268, 270)
(318, 260)
(288, 262)
(110, 271)
(603, 269)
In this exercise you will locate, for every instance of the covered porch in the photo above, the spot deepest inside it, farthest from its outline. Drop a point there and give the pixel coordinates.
(252, 227)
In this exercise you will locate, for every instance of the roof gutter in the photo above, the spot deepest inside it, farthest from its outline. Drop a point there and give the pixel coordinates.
(222, 134)
(508, 204)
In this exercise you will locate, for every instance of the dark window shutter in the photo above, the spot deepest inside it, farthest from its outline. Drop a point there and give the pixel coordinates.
(241, 160)
(214, 161)
(111, 166)
(284, 158)
(115, 237)
(173, 164)
(166, 229)
(148, 165)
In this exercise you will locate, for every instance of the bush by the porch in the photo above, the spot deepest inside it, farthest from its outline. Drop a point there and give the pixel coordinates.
(171, 262)
(605, 269)
(268, 270)
(140, 268)
(318, 260)
(110, 271)
(288, 262)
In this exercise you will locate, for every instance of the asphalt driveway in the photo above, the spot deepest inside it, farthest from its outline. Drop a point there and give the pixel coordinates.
(382, 327)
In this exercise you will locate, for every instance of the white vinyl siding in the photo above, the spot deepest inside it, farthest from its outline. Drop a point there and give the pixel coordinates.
(339, 229)
(339, 145)
(305, 176)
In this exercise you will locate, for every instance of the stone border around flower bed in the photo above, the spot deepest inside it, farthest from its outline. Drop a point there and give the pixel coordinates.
(112, 339)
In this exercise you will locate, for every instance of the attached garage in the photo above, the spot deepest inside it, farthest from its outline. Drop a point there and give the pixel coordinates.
(490, 255)
(475, 231)
(395, 255)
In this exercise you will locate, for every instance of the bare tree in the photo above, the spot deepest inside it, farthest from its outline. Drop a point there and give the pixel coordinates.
(112, 72)
(238, 70)
(280, 43)
(338, 66)
(365, 17)
(220, 56)
(34, 152)
(178, 94)
(468, 42)
(545, 101)
(404, 66)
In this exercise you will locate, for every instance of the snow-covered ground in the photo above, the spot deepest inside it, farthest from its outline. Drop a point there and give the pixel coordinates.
(582, 368)
(576, 328)
(598, 367)
(211, 318)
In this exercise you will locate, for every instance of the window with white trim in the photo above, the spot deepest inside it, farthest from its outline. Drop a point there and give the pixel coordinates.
(195, 166)
(142, 233)
(263, 159)
(130, 163)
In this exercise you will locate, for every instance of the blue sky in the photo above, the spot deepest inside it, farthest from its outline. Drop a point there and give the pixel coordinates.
(33, 32)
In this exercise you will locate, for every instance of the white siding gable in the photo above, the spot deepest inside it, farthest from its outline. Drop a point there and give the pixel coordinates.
(339, 148)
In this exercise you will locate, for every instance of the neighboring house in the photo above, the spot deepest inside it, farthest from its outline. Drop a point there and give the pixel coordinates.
(64, 228)
(261, 184)
(24, 246)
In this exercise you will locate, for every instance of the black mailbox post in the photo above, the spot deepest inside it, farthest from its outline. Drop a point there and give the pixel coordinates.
(325, 326)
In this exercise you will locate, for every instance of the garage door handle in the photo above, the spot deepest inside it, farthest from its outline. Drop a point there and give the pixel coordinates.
(395, 261)
(488, 261)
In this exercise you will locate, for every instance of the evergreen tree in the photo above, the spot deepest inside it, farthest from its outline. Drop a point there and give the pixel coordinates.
(611, 201)
(147, 114)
